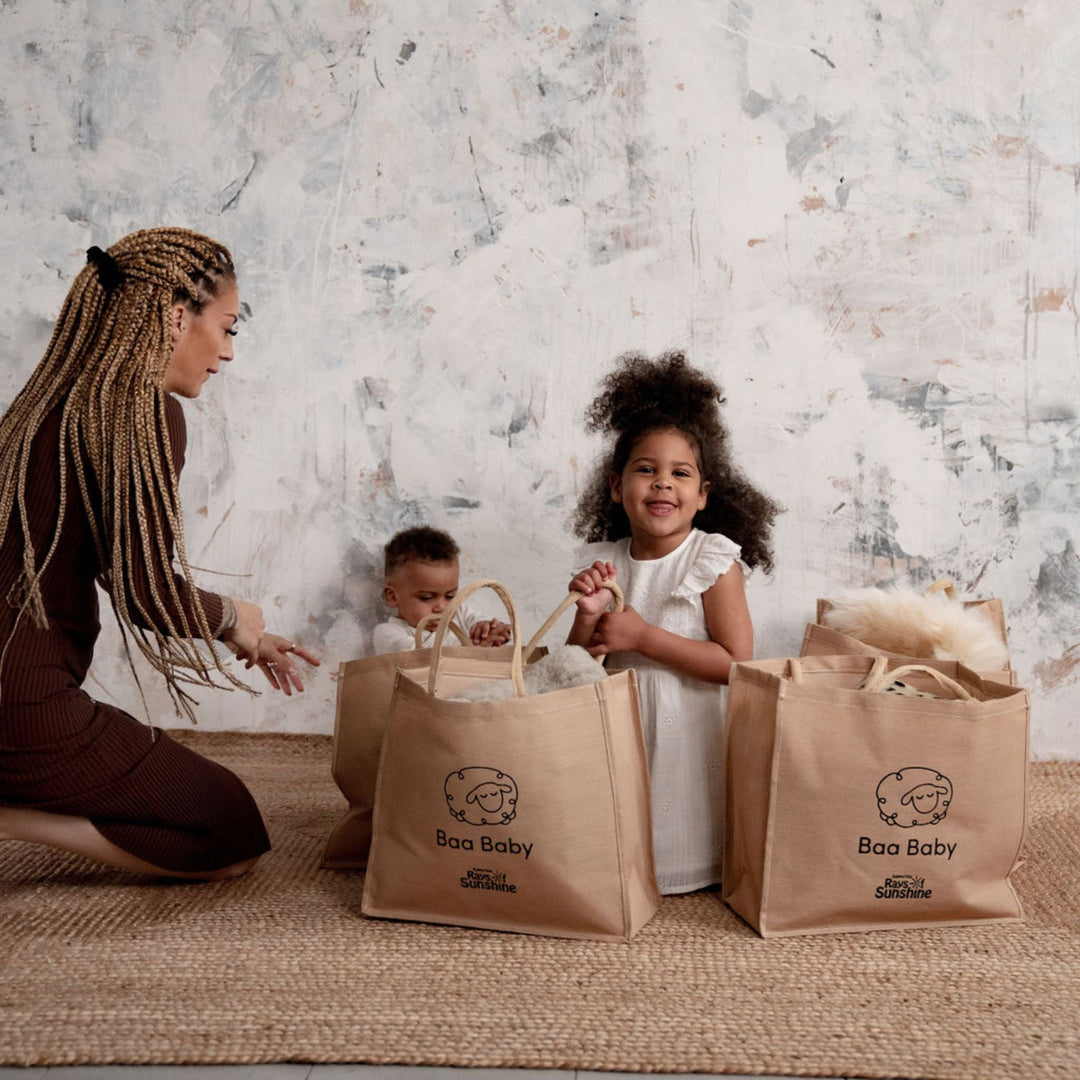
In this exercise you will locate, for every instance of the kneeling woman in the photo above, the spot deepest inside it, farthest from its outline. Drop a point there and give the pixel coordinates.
(90, 456)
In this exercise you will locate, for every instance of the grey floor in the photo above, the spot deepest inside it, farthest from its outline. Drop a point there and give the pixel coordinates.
(308, 1072)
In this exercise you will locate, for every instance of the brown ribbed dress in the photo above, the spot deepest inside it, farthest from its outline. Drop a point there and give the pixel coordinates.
(61, 751)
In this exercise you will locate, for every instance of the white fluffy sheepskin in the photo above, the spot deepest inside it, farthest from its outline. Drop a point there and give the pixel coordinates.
(930, 626)
(563, 667)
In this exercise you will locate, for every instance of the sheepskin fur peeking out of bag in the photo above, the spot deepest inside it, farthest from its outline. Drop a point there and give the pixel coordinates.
(563, 667)
(928, 626)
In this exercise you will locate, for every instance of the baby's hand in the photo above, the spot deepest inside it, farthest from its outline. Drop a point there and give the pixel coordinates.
(595, 597)
(490, 633)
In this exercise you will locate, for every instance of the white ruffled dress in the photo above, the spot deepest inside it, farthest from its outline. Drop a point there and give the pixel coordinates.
(682, 717)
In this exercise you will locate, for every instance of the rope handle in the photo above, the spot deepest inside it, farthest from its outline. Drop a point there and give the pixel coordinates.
(447, 619)
(880, 675)
(568, 601)
(429, 622)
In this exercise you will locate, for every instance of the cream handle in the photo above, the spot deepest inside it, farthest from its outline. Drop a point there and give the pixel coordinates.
(880, 675)
(944, 585)
(447, 619)
(569, 600)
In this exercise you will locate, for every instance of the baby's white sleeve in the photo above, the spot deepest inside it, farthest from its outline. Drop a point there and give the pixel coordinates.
(393, 636)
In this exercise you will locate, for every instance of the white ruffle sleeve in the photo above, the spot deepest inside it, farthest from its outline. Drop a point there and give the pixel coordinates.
(715, 556)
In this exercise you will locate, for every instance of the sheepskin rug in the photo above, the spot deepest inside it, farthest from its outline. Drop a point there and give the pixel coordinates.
(930, 626)
(563, 667)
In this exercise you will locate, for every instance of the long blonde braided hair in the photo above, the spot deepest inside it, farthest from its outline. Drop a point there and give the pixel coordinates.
(106, 362)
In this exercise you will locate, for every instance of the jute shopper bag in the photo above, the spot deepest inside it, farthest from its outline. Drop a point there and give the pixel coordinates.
(850, 807)
(822, 640)
(364, 689)
(529, 814)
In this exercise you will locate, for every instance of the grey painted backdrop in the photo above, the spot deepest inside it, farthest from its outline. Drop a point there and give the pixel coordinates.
(450, 217)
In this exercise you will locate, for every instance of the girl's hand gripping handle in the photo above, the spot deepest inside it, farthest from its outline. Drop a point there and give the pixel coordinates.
(593, 600)
(595, 597)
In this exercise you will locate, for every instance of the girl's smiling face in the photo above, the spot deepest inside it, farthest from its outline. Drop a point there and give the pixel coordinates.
(661, 490)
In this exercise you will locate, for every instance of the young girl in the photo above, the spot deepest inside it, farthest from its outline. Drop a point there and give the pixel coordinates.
(675, 523)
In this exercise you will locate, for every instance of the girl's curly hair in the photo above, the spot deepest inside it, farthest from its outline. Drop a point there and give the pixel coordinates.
(644, 395)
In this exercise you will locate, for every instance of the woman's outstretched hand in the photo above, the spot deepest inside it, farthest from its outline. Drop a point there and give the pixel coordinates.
(274, 657)
(243, 637)
(271, 653)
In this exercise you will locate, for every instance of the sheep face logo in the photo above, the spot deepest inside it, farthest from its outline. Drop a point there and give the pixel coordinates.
(481, 796)
(914, 796)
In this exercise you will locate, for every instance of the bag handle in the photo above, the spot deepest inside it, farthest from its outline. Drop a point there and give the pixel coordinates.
(944, 585)
(569, 600)
(447, 618)
(880, 675)
(429, 622)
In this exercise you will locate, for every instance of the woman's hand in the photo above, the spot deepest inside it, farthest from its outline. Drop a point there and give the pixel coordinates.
(274, 657)
(243, 638)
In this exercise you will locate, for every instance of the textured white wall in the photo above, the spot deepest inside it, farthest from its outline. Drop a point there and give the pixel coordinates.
(450, 217)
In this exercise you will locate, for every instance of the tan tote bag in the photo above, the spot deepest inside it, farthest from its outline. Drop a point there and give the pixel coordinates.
(822, 640)
(364, 689)
(853, 806)
(529, 814)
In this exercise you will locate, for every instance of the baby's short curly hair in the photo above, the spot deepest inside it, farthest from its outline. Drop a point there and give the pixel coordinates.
(419, 544)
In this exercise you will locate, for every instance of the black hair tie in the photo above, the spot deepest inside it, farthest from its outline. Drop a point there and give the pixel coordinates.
(109, 273)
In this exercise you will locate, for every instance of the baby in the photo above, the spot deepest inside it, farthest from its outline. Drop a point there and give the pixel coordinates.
(421, 580)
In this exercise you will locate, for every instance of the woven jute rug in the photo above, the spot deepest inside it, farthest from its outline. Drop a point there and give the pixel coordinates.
(97, 967)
